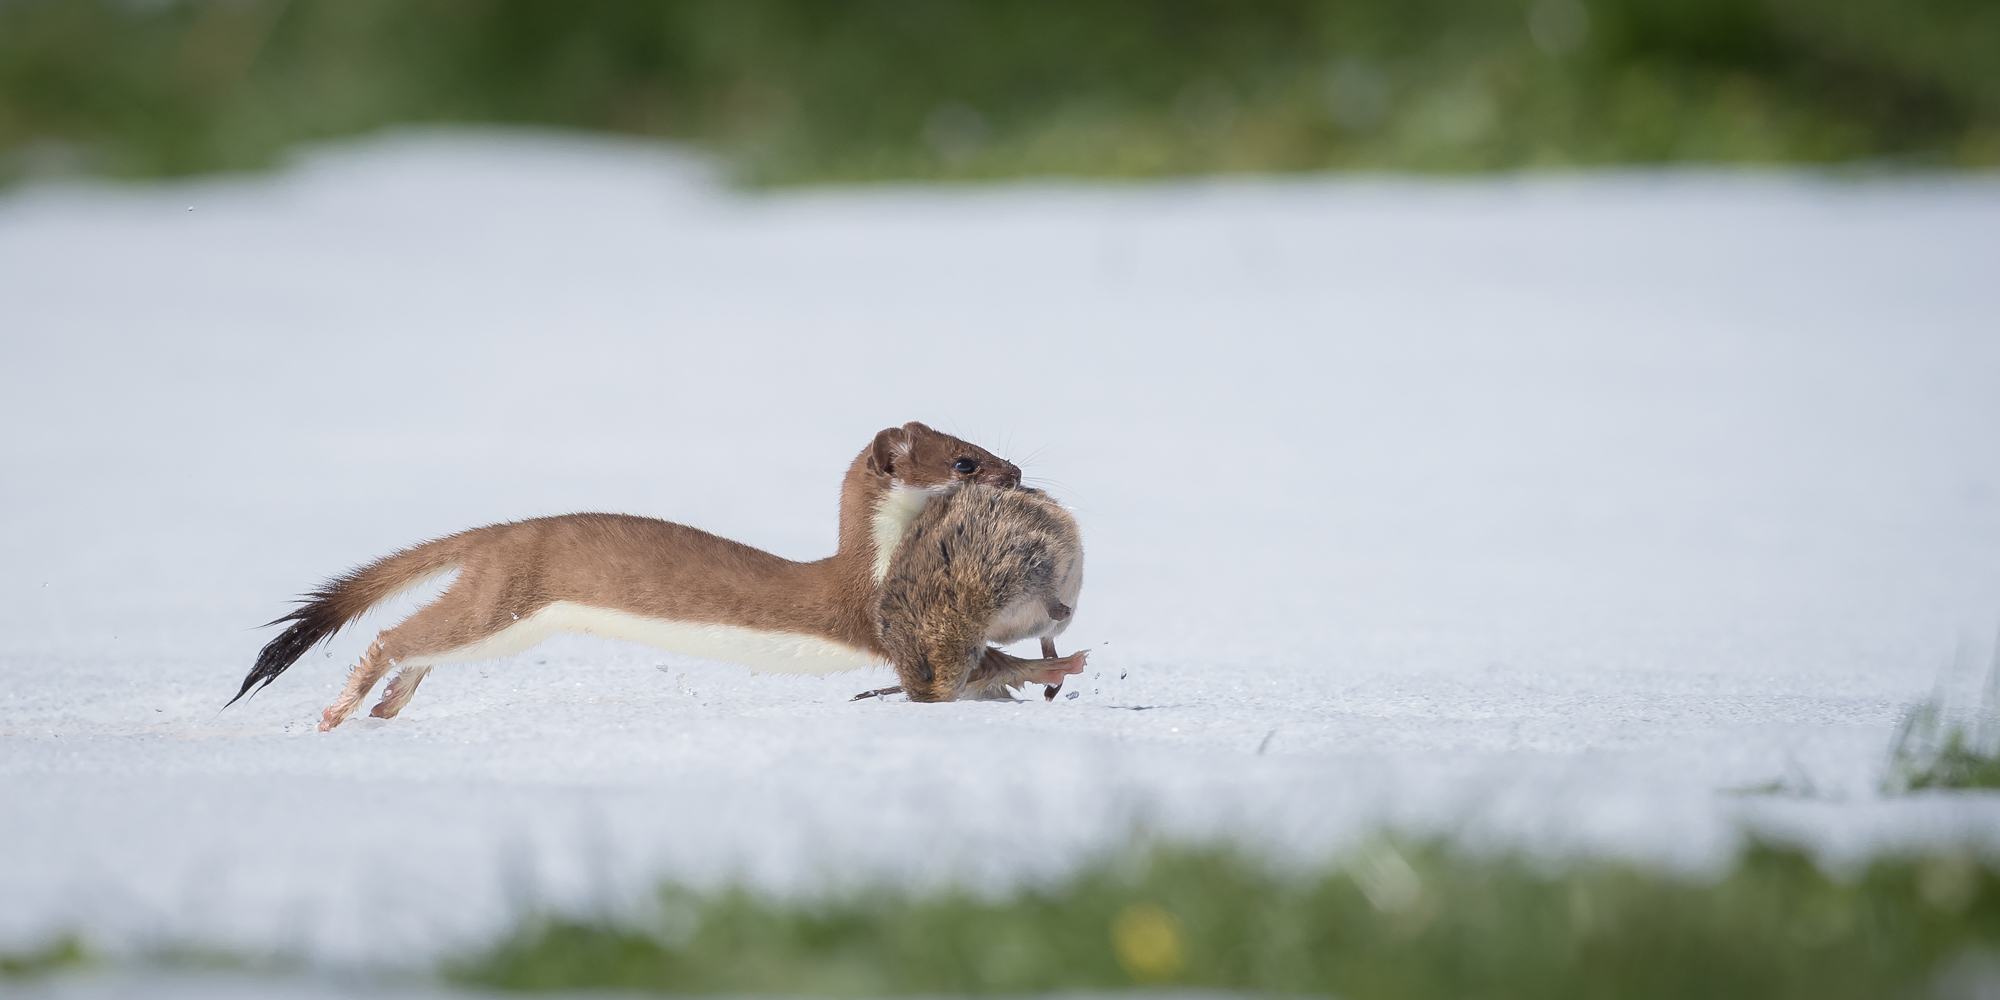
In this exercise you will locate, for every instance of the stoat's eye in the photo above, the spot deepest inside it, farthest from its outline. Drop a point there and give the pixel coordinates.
(965, 466)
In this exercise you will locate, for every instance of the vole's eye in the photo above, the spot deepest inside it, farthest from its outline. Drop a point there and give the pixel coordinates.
(965, 466)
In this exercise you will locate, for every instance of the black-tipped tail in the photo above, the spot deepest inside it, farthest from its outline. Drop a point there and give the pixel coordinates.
(345, 598)
(313, 623)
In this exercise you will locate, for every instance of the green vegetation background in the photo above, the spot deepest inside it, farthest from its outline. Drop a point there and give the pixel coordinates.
(824, 90)
(1408, 920)
(1392, 918)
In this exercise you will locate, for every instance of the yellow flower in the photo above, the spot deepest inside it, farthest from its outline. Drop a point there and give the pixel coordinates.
(1148, 942)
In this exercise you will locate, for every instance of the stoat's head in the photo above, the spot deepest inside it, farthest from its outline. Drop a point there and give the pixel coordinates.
(912, 464)
(915, 457)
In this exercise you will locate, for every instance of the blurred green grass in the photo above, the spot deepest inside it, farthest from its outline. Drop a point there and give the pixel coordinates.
(63, 954)
(792, 91)
(1393, 920)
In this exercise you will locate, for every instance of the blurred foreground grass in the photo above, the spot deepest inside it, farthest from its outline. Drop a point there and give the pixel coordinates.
(807, 90)
(1392, 920)
(1395, 920)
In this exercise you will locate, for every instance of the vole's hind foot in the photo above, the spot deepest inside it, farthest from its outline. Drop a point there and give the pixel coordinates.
(878, 693)
(998, 667)
(1053, 670)
(399, 692)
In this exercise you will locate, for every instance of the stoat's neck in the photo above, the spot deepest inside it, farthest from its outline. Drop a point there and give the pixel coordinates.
(875, 513)
(846, 580)
(858, 493)
(868, 503)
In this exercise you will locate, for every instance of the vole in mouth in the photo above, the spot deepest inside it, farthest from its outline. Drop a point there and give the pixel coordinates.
(981, 568)
(650, 581)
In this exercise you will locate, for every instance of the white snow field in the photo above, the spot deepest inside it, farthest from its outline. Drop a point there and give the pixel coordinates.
(1533, 511)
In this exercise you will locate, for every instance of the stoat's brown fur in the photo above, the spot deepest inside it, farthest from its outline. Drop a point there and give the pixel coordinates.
(980, 568)
(643, 579)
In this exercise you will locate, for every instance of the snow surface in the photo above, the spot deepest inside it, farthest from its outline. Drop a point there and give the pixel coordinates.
(1534, 511)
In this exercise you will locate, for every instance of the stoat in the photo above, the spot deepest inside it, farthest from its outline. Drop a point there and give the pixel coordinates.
(645, 580)
(981, 568)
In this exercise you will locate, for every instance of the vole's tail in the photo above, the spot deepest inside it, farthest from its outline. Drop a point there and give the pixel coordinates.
(342, 599)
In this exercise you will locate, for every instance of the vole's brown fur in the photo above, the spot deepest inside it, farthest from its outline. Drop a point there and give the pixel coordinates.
(646, 579)
(980, 568)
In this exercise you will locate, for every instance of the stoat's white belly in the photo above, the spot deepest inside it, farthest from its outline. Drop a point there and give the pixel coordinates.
(777, 652)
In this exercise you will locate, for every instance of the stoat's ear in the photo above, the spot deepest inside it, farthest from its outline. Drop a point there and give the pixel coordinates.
(890, 445)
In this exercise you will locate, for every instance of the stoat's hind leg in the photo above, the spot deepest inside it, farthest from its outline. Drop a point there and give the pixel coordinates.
(360, 677)
(449, 623)
(398, 693)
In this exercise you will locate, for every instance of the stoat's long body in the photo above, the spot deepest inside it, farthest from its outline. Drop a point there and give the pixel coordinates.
(644, 580)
